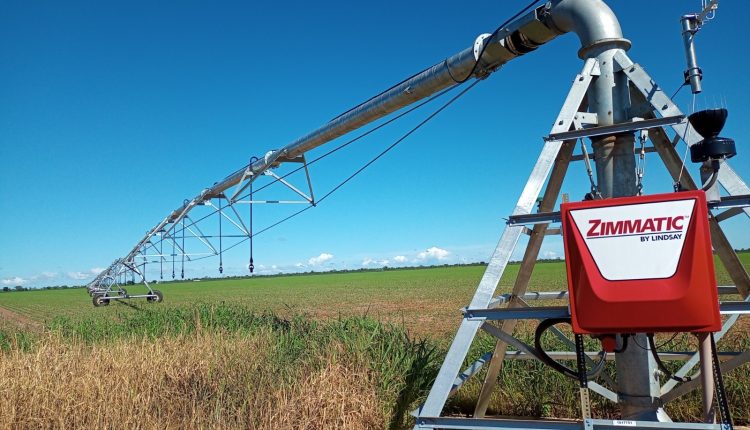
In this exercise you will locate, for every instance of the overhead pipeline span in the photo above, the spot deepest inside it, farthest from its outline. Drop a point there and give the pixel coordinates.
(592, 20)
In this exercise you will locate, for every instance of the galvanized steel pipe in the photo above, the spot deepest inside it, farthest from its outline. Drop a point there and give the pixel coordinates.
(592, 20)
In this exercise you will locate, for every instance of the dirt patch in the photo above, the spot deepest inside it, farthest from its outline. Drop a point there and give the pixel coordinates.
(19, 319)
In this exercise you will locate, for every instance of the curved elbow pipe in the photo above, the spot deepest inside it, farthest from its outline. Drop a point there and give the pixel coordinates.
(592, 20)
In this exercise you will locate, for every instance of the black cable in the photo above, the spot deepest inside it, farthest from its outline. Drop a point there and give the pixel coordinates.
(715, 164)
(484, 46)
(624, 345)
(668, 341)
(358, 171)
(660, 364)
(635, 340)
(543, 326)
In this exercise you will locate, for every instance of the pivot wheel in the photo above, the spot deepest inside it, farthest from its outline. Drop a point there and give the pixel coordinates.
(100, 300)
(156, 298)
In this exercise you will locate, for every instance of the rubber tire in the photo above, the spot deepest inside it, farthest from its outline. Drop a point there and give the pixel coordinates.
(158, 299)
(99, 300)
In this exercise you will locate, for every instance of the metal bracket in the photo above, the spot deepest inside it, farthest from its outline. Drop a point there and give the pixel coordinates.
(606, 130)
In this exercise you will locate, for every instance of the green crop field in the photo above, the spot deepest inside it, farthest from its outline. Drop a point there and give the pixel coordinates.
(426, 300)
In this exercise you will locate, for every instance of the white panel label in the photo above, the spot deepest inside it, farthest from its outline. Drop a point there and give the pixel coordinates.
(638, 241)
(624, 423)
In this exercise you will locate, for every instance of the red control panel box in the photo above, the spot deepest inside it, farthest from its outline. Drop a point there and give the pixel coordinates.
(641, 264)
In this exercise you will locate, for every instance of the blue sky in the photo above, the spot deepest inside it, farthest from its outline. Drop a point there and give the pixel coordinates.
(112, 113)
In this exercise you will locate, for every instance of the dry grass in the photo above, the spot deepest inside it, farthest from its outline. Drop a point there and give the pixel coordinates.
(192, 381)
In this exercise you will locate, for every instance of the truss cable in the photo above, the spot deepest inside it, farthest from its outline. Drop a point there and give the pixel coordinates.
(221, 257)
(145, 260)
(678, 89)
(182, 270)
(360, 136)
(338, 148)
(366, 165)
(399, 140)
(161, 260)
(251, 266)
(678, 184)
(332, 151)
(174, 254)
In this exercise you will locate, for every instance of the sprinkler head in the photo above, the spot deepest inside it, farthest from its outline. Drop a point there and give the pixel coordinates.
(708, 123)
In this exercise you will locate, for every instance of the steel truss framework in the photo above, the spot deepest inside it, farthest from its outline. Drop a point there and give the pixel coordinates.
(180, 237)
(600, 35)
(497, 314)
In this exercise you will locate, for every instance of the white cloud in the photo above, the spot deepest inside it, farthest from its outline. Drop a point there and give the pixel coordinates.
(299, 265)
(320, 259)
(433, 253)
(78, 276)
(45, 275)
(370, 262)
(550, 255)
(14, 281)
(96, 270)
(400, 259)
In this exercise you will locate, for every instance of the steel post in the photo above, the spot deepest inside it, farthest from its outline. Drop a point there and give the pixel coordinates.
(609, 98)
(707, 380)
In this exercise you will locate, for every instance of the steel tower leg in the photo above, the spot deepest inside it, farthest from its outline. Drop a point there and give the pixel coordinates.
(524, 273)
(444, 382)
(639, 393)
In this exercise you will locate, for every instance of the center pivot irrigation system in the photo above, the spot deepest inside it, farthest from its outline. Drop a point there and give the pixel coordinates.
(672, 289)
